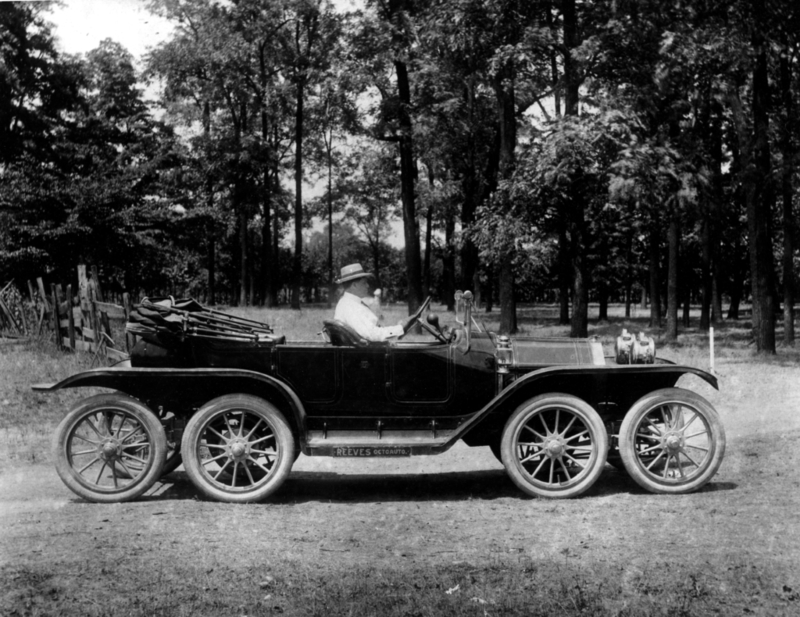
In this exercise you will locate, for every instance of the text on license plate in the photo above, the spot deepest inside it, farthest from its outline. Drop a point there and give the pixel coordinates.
(370, 451)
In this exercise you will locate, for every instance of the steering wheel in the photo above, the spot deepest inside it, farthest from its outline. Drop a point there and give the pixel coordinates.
(415, 318)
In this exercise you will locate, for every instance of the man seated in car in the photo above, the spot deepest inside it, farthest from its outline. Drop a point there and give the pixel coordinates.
(352, 311)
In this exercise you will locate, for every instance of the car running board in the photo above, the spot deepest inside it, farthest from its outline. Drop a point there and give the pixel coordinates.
(366, 444)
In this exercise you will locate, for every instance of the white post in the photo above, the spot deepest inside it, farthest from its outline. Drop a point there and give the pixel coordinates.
(711, 347)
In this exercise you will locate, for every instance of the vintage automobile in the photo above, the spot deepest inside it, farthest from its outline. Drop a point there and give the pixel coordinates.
(237, 404)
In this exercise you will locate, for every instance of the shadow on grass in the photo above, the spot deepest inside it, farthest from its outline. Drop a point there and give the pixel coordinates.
(307, 486)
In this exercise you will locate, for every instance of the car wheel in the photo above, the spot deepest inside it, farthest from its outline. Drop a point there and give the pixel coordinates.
(110, 448)
(238, 448)
(672, 441)
(555, 446)
(173, 459)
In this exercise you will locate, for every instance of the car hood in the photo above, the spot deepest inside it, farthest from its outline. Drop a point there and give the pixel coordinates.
(532, 352)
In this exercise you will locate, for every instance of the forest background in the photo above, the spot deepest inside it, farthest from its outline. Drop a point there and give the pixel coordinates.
(532, 150)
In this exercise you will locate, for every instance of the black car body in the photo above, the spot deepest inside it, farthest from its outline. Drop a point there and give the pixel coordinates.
(237, 404)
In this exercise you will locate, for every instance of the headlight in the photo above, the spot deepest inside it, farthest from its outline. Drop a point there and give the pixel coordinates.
(504, 354)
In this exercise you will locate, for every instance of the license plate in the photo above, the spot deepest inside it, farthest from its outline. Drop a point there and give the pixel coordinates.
(371, 452)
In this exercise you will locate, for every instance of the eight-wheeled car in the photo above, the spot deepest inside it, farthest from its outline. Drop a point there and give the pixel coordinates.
(237, 403)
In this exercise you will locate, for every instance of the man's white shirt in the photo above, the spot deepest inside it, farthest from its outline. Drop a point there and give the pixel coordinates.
(351, 311)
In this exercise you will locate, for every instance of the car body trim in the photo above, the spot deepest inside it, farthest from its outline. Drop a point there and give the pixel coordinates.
(528, 378)
(125, 378)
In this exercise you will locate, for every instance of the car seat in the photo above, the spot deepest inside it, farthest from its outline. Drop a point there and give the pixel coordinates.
(342, 335)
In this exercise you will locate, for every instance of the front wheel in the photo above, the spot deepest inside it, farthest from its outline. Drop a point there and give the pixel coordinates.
(238, 448)
(110, 448)
(554, 445)
(672, 441)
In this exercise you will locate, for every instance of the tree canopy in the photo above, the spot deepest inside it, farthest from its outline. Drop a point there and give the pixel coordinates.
(539, 150)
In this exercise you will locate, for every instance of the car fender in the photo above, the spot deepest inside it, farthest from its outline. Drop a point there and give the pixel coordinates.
(610, 386)
(189, 388)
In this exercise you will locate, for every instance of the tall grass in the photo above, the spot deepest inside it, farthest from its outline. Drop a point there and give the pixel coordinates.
(27, 418)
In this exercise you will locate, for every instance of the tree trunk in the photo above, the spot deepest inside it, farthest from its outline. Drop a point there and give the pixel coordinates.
(297, 262)
(469, 183)
(759, 195)
(266, 245)
(487, 293)
(267, 297)
(628, 274)
(506, 115)
(331, 284)
(275, 276)
(449, 262)
(407, 180)
(211, 261)
(508, 309)
(672, 281)
(564, 269)
(787, 152)
(705, 273)
(580, 292)
(266, 223)
(579, 323)
(602, 299)
(426, 267)
(242, 253)
(655, 296)
(211, 258)
(718, 204)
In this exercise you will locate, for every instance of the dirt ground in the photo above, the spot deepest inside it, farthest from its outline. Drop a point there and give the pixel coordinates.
(739, 538)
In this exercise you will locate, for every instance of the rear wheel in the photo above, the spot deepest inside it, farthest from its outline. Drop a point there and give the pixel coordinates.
(672, 441)
(554, 445)
(173, 459)
(238, 448)
(110, 448)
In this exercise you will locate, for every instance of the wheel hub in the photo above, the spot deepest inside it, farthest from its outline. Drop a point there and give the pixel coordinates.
(672, 442)
(109, 450)
(554, 448)
(238, 449)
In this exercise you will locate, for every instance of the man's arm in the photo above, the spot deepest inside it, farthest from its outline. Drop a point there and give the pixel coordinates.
(364, 322)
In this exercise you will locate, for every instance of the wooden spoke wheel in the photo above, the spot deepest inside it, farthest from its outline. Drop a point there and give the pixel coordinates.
(173, 459)
(238, 448)
(110, 448)
(672, 441)
(554, 445)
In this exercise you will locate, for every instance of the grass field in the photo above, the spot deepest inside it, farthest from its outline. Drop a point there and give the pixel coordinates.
(442, 535)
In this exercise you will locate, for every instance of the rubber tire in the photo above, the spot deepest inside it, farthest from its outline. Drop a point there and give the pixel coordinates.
(641, 408)
(154, 432)
(277, 423)
(534, 406)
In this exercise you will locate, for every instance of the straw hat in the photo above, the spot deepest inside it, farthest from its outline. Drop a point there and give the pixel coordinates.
(351, 273)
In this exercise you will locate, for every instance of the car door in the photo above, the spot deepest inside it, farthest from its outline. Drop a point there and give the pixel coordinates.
(421, 377)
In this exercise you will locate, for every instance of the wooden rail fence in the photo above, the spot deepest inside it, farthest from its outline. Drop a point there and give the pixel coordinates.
(77, 319)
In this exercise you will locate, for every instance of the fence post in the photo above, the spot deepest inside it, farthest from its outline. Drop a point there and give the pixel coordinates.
(54, 315)
(43, 313)
(96, 281)
(22, 315)
(130, 340)
(95, 320)
(84, 301)
(70, 318)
